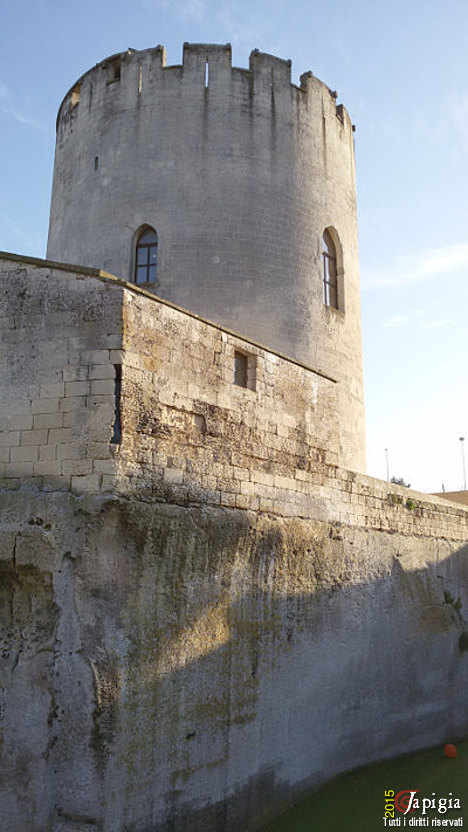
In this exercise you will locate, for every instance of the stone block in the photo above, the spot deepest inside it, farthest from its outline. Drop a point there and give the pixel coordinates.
(228, 499)
(75, 373)
(47, 468)
(99, 401)
(105, 387)
(242, 501)
(76, 467)
(262, 477)
(34, 437)
(285, 482)
(76, 388)
(47, 452)
(105, 466)
(10, 437)
(95, 357)
(48, 420)
(60, 435)
(247, 487)
(17, 469)
(16, 421)
(241, 473)
(45, 405)
(89, 484)
(71, 450)
(57, 483)
(173, 476)
(72, 402)
(24, 453)
(52, 391)
(110, 482)
(99, 450)
(102, 371)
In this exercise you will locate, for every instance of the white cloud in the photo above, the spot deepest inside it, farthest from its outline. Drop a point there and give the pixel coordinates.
(20, 117)
(418, 317)
(437, 324)
(415, 268)
(227, 16)
(396, 320)
(8, 109)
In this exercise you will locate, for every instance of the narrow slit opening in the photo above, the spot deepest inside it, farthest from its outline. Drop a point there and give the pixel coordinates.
(207, 74)
(117, 432)
(140, 79)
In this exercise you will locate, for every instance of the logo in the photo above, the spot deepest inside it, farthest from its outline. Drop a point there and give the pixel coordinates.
(407, 807)
(404, 801)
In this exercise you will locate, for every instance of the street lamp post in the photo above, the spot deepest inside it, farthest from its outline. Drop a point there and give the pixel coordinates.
(462, 444)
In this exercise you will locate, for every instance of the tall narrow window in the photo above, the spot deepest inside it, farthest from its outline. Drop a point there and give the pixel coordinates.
(240, 369)
(330, 282)
(146, 260)
(207, 74)
(245, 370)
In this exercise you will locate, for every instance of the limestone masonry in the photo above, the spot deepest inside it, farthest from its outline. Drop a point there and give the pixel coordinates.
(207, 606)
(239, 179)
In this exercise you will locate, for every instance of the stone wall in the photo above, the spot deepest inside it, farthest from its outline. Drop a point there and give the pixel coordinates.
(454, 496)
(61, 334)
(212, 615)
(186, 423)
(169, 667)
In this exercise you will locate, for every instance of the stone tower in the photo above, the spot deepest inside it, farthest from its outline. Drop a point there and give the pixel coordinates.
(239, 172)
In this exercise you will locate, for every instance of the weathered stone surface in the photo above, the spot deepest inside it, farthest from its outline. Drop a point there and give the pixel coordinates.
(202, 612)
(169, 667)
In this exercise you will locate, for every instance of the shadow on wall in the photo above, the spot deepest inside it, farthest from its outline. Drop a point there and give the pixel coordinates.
(208, 665)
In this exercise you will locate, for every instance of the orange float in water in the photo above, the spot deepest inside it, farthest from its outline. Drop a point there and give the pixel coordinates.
(450, 750)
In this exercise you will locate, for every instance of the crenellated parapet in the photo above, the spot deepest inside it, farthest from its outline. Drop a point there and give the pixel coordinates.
(132, 76)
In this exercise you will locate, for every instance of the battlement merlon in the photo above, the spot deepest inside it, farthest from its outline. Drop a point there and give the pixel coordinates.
(200, 61)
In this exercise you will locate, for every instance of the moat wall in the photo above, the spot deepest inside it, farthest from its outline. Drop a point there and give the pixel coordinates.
(176, 653)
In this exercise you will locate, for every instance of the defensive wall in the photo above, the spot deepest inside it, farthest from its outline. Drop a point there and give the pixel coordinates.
(454, 496)
(204, 613)
(239, 171)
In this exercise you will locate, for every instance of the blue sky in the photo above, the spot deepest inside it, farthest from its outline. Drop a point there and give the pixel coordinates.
(402, 72)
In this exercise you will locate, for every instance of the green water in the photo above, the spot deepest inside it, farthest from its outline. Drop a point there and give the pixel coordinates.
(355, 802)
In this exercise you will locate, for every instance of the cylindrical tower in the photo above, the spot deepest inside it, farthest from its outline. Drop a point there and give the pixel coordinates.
(237, 174)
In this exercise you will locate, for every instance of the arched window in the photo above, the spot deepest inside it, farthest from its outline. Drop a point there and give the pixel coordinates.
(330, 281)
(146, 259)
